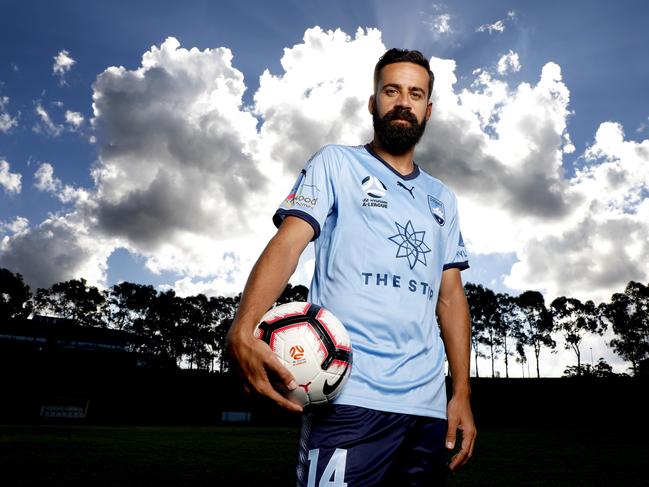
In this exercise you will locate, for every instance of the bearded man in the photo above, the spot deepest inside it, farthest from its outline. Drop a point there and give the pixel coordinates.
(389, 252)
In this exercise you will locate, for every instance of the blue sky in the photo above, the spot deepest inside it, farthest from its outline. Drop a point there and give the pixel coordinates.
(541, 127)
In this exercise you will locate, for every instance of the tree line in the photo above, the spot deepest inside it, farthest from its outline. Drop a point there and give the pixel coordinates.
(173, 331)
(508, 326)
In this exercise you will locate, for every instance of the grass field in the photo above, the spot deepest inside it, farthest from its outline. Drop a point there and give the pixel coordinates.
(84, 455)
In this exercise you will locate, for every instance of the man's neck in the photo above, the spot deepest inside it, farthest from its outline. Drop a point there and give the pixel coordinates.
(402, 163)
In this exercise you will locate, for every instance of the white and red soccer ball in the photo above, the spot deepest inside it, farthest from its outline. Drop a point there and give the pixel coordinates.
(313, 344)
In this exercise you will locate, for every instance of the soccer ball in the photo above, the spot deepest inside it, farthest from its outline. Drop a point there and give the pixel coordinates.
(313, 344)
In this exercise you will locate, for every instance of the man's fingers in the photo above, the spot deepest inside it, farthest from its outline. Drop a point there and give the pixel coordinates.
(459, 459)
(272, 394)
(285, 377)
(451, 433)
(466, 450)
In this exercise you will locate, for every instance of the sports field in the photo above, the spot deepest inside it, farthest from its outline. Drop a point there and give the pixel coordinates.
(84, 455)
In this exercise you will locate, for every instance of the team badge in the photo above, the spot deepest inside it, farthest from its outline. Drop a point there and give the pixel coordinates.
(437, 209)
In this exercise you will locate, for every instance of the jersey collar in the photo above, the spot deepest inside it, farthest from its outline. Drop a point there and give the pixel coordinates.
(406, 177)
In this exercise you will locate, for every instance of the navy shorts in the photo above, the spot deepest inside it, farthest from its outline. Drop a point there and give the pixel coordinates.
(349, 446)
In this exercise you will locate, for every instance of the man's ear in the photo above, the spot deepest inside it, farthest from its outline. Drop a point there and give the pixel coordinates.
(371, 106)
(429, 110)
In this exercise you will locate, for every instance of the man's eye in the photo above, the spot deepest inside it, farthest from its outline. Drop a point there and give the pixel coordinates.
(416, 95)
(390, 91)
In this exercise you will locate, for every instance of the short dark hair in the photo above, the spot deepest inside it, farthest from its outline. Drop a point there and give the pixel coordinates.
(395, 55)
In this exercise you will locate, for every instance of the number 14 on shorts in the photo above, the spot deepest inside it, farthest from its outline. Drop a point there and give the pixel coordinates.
(333, 474)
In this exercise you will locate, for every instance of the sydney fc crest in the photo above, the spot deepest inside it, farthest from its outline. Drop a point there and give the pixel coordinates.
(437, 209)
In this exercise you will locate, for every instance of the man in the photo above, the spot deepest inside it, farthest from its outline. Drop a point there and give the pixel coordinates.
(388, 257)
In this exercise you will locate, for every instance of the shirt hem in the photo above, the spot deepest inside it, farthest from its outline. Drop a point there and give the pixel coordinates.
(391, 408)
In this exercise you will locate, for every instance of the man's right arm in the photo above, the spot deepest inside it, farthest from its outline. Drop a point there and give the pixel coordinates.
(267, 280)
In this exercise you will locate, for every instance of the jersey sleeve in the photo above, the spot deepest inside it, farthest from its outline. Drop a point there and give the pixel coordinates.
(455, 255)
(312, 196)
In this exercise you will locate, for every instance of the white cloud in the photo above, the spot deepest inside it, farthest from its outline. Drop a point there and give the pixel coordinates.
(439, 23)
(75, 119)
(182, 177)
(58, 249)
(498, 26)
(442, 24)
(607, 242)
(7, 122)
(46, 124)
(509, 63)
(45, 180)
(10, 182)
(19, 224)
(63, 62)
(320, 98)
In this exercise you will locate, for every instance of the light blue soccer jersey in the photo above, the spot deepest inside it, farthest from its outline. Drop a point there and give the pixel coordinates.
(382, 241)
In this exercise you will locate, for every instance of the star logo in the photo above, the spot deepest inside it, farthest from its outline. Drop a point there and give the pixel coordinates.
(411, 244)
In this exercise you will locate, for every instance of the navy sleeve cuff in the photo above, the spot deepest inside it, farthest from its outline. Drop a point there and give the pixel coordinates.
(280, 214)
(457, 265)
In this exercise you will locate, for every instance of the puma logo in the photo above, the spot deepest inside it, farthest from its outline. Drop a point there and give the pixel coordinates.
(399, 183)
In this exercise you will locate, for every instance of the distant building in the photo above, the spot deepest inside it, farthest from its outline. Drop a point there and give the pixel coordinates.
(50, 334)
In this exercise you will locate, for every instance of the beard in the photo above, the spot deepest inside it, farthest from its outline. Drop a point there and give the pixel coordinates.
(398, 138)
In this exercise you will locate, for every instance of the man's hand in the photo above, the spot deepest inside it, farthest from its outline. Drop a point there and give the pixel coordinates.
(259, 366)
(261, 370)
(460, 418)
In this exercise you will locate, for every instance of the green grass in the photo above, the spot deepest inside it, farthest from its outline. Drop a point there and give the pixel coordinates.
(82, 455)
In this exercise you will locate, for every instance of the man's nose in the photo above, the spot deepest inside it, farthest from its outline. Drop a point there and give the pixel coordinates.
(404, 101)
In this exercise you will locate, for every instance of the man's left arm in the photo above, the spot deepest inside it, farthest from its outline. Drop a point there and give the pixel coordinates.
(455, 325)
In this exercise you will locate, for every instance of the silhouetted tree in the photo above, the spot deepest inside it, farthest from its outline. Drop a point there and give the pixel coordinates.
(537, 324)
(574, 319)
(197, 330)
(223, 310)
(129, 305)
(15, 296)
(628, 313)
(601, 369)
(75, 300)
(293, 293)
(521, 356)
(510, 322)
(485, 319)
(478, 321)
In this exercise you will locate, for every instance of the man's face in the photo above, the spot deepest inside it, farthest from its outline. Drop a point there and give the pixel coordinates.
(400, 107)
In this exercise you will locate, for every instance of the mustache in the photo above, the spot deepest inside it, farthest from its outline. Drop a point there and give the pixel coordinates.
(400, 113)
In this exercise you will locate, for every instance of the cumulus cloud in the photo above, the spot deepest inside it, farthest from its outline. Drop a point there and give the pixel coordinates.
(7, 122)
(18, 224)
(9, 182)
(74, 119)
(58, 249)
(177, 149)
(183, 172)
(321, 97)
(63, 63)
(45, 180)
(607, 242)
(46, 125)
(509, 63)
